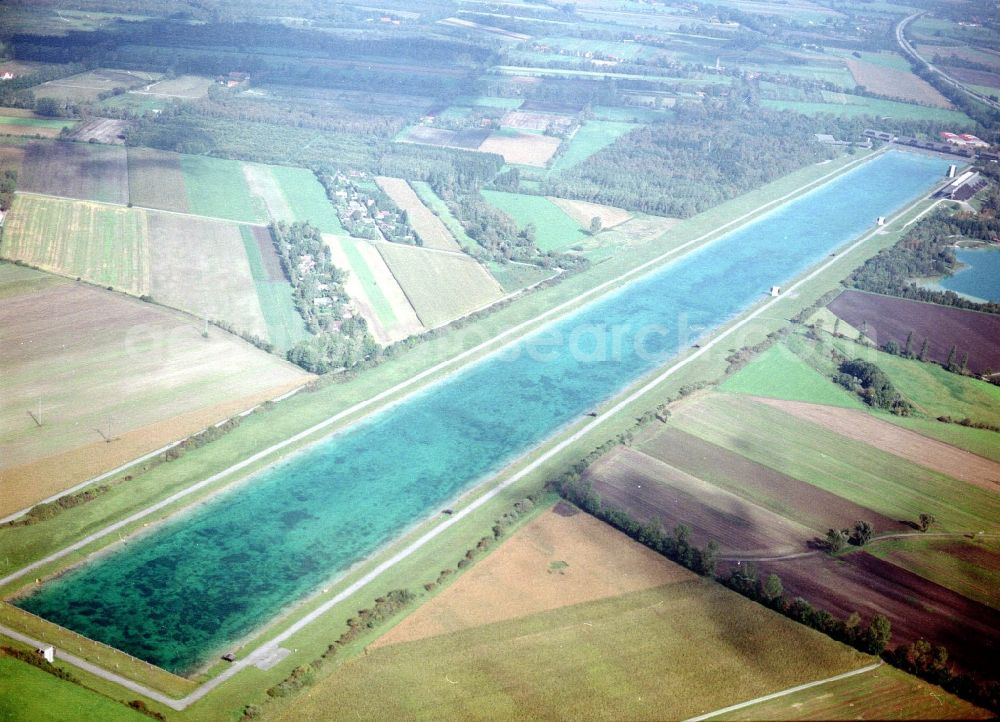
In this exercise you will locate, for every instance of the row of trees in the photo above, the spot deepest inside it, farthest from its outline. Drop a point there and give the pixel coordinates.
(8, 184)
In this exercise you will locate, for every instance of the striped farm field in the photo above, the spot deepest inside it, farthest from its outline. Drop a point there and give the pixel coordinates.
(428, 227)
(374, 291)
(440, 286)
(285, 326)
(292, 194)
(107, 245)
(217, 188)
(441, 210)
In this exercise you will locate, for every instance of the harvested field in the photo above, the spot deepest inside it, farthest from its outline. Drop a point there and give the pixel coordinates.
(440, 286)
(521, 148)
(155, 180)
(374, 291)
(624, 657)
(583, 213)
(917, 608)
(82, 358)
(263, 185)
(106, 245)
(883, 693)
(534, 120)
(11, 157)
(100, 130)
(201, 266)
(894, 83)
(86, 87)
(428, 227)
(761, 485)
(563, 557)
(187, 87)
(439, 208)
(909, 445)
(650, 490)
(856, 471)
(888, 317)
(423, 135)
(87, 171)
(779, 373)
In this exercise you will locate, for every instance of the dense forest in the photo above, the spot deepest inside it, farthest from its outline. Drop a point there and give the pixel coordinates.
(926, 251)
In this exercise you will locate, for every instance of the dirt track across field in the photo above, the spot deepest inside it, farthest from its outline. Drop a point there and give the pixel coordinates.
(907, 444)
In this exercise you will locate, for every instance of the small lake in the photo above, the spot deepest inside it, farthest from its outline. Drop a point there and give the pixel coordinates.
(980, 279)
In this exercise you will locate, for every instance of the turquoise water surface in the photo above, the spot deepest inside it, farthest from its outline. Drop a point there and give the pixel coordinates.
(981, 277)
(208, 578)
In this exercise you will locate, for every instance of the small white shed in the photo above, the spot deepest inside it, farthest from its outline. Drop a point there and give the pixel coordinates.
(775, 291)
(48, 653)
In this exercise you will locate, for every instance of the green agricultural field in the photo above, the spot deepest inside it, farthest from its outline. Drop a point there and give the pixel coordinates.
(969, 567)
(863, 474)
(441, 210)
(106, 245)
(485, 101)
(380, 304)
(978, 441)
(28, 694)
(306, 198)
(626, 657)
(780, 374)
(883, 693)
(285, 326)
(934, 391)
(515, 276)
(217, 188)
(32, 122)
(886, 59)
(553, 228)
(869, 106)
(590, 138)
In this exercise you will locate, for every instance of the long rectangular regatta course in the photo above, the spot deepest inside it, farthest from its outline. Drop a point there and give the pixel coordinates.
(212, 575)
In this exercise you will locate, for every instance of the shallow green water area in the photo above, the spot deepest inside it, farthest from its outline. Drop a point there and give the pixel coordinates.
(209, 577)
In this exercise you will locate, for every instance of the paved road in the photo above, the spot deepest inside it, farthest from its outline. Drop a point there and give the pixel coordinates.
(512, 333)
(911, 52)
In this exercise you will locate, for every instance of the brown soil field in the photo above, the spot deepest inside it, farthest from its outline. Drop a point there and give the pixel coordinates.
(269, 256)
(653, 491)
(100, 130)
(428, 227)
(976, 77)
(534, 120)
(90, 172)
(563, 557)
(155, 180)
(201, 266)
(466, 139)
(11, 156)
(95, 364)
(916, 607)
(32, 131)
(943, 326)
(583, 212)
(522, 149)
(910, 445)
(807, 504)
(896, 83)
(966, 53)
